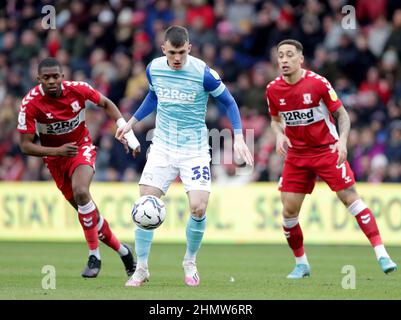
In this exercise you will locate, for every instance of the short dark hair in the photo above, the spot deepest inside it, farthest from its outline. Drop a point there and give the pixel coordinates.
(295, 43)
(177, 36)
(49, 63)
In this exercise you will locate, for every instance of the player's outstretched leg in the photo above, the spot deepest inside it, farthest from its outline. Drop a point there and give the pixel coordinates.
(143, 242)
(294, 235)
(367, 223)
(87, 215)
(194, 233)
(107, 237)
(196, 225)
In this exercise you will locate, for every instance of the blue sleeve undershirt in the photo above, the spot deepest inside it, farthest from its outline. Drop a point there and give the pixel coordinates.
(213, 84)
(149, 104)
(232, 110)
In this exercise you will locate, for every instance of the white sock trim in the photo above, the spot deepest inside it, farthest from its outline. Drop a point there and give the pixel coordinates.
(302, 260)
(87, 208)
(381, 251)
(100, 223)
(122, 251)
(95, 252)
(290, 222)
(357, 207)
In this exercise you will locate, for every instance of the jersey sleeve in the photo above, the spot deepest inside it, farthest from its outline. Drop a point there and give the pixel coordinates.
(212, 82)
(89, 93)
(26, 118)
(149, 104)
(329, 96)
(232, 110)
(273, 110)
(149, 77)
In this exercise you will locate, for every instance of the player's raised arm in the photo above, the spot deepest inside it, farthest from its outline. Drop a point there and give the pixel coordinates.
(128, 138)
(149, 104)
(213, 84)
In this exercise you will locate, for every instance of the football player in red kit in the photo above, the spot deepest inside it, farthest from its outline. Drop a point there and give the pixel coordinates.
(55, 110)
(303, 106)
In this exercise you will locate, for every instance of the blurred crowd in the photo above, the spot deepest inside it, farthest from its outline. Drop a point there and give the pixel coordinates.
(108, 43)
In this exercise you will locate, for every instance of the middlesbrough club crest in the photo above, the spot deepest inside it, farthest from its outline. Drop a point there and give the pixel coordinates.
(307, 98)
(75, 106)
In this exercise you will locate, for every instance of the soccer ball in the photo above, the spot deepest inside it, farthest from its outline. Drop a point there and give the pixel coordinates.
(148, 212)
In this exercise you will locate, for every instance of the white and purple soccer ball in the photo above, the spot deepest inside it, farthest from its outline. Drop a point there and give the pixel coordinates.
(148, 212)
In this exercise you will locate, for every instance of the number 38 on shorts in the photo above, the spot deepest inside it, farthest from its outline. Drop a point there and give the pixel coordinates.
(201, 173)
(163, 167)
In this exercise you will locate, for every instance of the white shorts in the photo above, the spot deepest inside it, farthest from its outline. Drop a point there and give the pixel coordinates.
(163, 166)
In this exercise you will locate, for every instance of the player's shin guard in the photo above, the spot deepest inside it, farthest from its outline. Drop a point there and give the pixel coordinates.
(143, 242)
(366, 221)
(194, 232)
(295, 238)
(87, 215)
(106, 235)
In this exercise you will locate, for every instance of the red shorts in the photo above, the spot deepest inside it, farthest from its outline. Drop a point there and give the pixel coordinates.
(299, 173)
(62, 168)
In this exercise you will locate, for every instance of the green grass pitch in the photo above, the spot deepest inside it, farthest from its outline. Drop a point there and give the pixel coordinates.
(227, 272)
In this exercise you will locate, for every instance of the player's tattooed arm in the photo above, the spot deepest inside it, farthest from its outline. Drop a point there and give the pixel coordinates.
(344, 126)
(28, 147)
(344, 123)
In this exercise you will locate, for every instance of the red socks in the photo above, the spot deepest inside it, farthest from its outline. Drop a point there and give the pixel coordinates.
(367, 223)
(95, 230)
(363, 215)
(295, 239)
(106, 235)
(87, 216)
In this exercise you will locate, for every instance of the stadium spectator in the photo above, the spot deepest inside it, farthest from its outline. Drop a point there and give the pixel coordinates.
(378, 34)
(368, 11)
(373, 83)
(202, 12)
(393, 147)
(394, 40)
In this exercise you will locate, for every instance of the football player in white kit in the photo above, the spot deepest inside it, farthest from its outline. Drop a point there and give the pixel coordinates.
(179, 87)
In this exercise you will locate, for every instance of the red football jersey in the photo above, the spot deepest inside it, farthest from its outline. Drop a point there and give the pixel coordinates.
(57, 120)
(306, 108)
